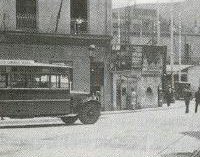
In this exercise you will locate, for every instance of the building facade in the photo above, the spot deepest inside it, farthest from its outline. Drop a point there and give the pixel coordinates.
(189, 74)
(138, 80)
(75, 32)
(143, 28)
(138, 75)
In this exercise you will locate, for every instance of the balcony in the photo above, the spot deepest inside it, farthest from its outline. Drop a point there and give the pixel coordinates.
(79, 26)
(26, 22)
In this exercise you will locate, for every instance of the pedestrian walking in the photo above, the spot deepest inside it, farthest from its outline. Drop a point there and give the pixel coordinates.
(197, 99)
(168, 96)
(187, 98)
(133, 97)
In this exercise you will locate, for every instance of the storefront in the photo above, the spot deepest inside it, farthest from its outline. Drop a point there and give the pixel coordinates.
(137, 76)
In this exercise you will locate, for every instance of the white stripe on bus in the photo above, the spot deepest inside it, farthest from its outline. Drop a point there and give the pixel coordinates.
(37, 100)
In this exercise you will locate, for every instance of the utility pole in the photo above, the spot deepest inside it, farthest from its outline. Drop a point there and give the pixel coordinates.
(127, 25)
(58, 16)
(180, 46)
(172, 44)
(158, 24)
(118, 30)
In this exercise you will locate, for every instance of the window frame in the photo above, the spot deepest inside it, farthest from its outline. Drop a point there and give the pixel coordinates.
(27, 79)
(36, 18)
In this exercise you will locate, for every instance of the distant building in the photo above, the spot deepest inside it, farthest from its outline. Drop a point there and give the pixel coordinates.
(132, 22)
(189, 74)
(138, 25)
(138, 71)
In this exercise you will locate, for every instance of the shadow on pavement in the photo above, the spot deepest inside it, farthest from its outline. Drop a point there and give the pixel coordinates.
(184, 154)
(35, 126)
(196, 153)
(195, 134)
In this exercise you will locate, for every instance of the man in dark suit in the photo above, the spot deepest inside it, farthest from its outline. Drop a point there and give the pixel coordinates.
(168, 96)
(197, 99)
(187, 98)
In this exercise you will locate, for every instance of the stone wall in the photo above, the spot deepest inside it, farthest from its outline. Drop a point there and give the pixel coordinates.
(99, 16)
(7, 9)
(47, 14)
(148, 91)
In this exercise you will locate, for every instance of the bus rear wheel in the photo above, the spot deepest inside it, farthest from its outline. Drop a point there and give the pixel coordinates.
(89, 112)
(69, 120)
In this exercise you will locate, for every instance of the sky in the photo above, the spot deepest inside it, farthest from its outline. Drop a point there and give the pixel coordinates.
(121, 3)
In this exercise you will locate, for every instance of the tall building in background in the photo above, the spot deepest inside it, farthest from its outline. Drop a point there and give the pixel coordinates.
(139, 63)
(143, 27)
(139, 22)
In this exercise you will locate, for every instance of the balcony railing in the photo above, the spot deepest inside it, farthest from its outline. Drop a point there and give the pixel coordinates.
(79, 26)
(26, 22)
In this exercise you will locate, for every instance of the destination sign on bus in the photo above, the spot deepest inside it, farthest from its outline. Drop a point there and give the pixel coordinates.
(18, 62)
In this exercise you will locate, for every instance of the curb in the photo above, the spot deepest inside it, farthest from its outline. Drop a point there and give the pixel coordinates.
(140, 110)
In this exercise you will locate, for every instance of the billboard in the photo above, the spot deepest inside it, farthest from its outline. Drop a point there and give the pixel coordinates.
(154, 58)
(147, 58)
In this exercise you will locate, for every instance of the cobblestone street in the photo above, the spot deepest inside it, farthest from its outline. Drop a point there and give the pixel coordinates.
(160, 132)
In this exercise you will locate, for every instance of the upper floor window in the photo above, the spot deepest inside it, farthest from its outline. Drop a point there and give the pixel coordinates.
(114, 15)
(26, 15)
(115, 25)
(79, 16)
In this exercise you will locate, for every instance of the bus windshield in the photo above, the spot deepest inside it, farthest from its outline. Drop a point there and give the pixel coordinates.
(34, 77)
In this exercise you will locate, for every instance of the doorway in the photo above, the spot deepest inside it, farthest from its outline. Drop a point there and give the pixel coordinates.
(126, 93)
(97, 79)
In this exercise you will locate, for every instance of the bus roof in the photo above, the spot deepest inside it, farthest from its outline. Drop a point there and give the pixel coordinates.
(31, 63)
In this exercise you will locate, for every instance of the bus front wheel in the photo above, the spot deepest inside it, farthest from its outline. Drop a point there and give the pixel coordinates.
(89, 112)
(69, 120)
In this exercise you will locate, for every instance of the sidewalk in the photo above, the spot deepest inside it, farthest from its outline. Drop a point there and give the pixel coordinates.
(177, 104)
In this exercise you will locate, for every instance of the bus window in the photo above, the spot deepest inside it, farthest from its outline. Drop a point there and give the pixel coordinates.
(18, 80)
(29, 81)
(36, 81)
(41, 81)
(3, 80)
(59, 81)
(64, 81)
(55, 81)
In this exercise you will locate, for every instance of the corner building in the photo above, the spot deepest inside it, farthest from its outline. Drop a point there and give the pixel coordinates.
(75, 32)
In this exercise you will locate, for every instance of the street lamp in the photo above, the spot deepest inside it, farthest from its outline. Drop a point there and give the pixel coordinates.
(91, 49)
(158, 24)
(180, 46)
(172, 44)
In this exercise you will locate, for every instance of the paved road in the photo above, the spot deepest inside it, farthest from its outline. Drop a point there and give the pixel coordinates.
(159, 133)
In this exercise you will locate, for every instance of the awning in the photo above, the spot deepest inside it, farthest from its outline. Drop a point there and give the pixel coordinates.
(176, 68)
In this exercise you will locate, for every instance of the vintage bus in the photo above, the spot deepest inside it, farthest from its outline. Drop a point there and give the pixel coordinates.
(29, 89)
